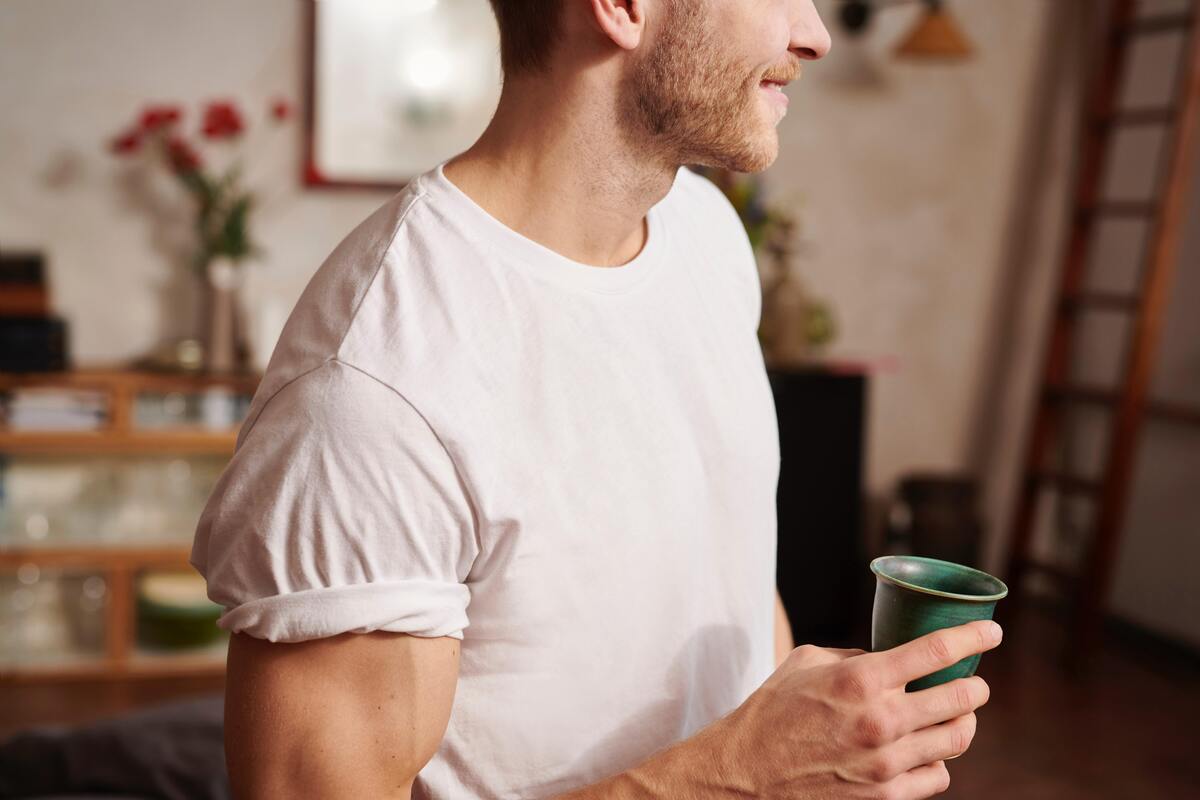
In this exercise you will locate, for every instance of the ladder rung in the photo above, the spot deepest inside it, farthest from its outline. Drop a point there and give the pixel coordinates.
(1174, 412)
(1069, 484)
(1100, 396)
(1122, 208)
(1140, 116)
(1105, 301)
(1095, 395)
(1158, 23)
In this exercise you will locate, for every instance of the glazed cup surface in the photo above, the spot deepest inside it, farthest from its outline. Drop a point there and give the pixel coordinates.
(915, 596)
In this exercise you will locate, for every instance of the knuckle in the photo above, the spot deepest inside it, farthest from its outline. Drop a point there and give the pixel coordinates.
(939, 648)
(805, 652)
(874, 729)
(962, 733)
(852, 683)
(881, 769)
(963, 696)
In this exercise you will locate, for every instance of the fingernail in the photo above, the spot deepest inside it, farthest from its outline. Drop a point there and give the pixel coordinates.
(996, 632)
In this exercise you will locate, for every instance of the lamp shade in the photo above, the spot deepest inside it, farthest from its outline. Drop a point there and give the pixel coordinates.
(936, 35)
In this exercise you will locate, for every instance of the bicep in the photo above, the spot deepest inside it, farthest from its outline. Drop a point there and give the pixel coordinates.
(355, 715)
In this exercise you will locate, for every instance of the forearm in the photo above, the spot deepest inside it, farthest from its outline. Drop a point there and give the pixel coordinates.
(783, 632)
(693, 769)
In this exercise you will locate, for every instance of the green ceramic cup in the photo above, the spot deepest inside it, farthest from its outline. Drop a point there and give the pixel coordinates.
(915, 596)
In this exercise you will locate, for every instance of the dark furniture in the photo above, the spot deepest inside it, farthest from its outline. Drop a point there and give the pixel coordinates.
(820, 568)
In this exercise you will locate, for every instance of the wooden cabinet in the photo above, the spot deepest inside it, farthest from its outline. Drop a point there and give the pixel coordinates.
(821, 567)
(128, 431)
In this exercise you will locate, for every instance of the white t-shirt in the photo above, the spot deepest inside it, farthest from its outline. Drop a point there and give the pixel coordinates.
(570, 468)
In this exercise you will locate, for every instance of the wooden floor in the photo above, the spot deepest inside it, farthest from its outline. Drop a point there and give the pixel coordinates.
(1130, 729)
(72, 702)
(1127, 727)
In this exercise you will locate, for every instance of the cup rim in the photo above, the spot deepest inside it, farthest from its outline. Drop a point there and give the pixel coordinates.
(974, 598)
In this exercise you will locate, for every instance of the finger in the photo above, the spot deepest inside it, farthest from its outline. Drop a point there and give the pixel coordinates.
(940, 703)
(934, 651)
(924, 781)
(935, 743)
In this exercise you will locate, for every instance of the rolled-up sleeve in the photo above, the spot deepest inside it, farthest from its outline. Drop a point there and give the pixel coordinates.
(341, 511)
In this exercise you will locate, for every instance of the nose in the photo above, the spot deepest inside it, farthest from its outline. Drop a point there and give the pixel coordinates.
(810, 39)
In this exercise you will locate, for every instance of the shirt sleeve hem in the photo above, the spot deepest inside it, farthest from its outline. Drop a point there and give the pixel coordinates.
(418, 607)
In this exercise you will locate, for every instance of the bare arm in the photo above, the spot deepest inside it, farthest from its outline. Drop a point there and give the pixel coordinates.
(359, 715)
(355, 715)
(827, 723)
(783, 632)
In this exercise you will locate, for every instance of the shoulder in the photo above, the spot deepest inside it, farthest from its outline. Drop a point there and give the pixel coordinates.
(711, 218)
(377, 272)
(335, 402)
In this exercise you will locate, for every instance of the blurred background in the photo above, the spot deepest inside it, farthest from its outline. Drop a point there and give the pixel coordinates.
(978, 250)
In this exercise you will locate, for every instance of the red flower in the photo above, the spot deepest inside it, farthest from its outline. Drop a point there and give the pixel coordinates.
(222, 120)
(312, 175)
(127, 142)
(181, 155)
(155, 117)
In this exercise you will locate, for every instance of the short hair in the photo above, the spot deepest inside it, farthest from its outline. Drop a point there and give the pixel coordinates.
(528, 29)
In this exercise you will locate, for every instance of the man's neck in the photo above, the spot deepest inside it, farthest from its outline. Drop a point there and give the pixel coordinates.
(557, 167)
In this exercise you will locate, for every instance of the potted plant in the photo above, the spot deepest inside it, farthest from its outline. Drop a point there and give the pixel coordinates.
(794, 323)
(221, 204)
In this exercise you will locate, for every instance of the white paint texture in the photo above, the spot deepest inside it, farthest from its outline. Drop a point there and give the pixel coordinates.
(907, 193)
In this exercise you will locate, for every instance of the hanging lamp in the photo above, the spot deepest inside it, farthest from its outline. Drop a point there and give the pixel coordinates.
(936, 35)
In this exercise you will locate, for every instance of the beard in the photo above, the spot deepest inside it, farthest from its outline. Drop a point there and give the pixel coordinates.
(686, 100)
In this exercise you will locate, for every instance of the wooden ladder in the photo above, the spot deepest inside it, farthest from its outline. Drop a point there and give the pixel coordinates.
(1086, 584)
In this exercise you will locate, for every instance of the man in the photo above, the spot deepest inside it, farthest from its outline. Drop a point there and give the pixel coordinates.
(500, 522)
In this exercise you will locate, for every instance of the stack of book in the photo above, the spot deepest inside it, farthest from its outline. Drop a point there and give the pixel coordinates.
(37, 408)
(31, 338)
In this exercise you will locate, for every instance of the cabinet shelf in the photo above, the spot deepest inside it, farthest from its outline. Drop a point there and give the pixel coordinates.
(105, 442)
(141, 663)
(99, 557)
(122, 656)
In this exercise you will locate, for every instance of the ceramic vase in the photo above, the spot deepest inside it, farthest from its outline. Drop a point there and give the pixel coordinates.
(223, 329)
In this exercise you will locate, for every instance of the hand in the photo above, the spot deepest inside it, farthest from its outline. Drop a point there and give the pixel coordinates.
(838, 724)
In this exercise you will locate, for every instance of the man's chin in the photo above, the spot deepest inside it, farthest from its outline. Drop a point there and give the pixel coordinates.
(753, 151)
(758, 153)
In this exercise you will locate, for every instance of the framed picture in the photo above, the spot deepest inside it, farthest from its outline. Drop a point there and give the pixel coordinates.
(394, 87)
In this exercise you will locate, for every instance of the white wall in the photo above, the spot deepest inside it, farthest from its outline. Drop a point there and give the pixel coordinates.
(74, 73)
(1154, 582)
(907, 192)
(1156, 578)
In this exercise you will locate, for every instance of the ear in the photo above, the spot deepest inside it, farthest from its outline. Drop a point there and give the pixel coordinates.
(623, 21)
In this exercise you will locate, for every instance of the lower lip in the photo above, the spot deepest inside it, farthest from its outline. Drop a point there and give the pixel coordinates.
(775, 92)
